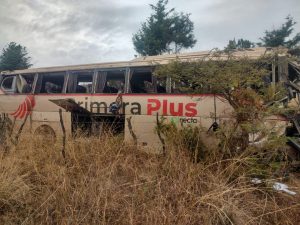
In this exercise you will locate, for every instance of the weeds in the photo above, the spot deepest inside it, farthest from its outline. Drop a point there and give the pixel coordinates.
(106, 181)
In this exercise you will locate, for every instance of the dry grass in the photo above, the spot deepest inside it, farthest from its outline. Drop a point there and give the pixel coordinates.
(105, 181)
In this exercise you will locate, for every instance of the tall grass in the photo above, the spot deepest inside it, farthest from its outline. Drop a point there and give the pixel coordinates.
(106, 181)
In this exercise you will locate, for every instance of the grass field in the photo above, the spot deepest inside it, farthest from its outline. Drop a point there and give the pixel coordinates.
(106, 181)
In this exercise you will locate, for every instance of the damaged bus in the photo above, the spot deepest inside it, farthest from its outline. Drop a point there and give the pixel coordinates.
(122, 95)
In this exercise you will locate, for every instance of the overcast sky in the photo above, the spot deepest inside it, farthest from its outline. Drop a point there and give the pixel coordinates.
(66, 32)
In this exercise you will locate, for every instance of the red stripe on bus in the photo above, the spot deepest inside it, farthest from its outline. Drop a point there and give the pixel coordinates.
(14, 113)
(20, 111)
(25, 109)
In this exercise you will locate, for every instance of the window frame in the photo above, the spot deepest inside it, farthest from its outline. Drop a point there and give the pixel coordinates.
(39, 82)
(134, 70)
(14, 85)
(98, 75)
(33, 83)
(154, 79)
(71, 74)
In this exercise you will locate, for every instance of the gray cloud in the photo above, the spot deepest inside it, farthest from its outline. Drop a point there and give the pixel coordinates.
(61, 32)
(242, 19)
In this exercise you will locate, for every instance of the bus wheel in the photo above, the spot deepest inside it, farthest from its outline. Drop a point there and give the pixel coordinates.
(46, 133)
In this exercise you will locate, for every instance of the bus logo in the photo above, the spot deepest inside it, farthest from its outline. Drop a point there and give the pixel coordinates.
(25, 107)
(171, 108)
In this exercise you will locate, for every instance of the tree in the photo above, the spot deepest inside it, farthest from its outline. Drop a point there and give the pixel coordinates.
(182, 32)
(239, 81)
(241, 43)
(278, 37)
(14, 57)
(163, 29)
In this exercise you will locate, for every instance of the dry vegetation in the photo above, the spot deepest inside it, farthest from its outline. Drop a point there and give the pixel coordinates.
(105, 181)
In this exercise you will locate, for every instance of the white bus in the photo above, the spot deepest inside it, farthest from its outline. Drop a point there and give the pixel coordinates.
(107, 94)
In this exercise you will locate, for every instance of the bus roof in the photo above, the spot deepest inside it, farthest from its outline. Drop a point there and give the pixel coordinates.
(252, 53)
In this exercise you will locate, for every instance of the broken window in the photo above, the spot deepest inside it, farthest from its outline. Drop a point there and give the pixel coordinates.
(50, 83)
(8, 84)
(25, 83)
(161, 85)
(80, 82)
(181, 86)
(142, 82)
(111, 82)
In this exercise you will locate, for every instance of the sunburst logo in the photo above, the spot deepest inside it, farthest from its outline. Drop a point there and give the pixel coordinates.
(25, 108)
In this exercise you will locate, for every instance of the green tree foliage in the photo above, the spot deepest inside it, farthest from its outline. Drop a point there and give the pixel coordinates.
(240, 43)
(280, 36)
(239, 81)
(14, 57)
(164, 29)
(182, 32)
(217, 76)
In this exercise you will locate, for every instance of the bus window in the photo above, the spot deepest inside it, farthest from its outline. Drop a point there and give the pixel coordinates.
(25, 83)
(180, 87)
(142, 82)
(161, 85)
(8, 84)
(50, 83)
(115, 82)
(111, 82)
(80, 82)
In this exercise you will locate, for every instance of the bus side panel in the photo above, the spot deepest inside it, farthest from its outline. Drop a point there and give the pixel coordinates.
(41, 112)
(177, 105)
(10, 103)
(14, 108)
(181, 110)
(52, 119)
(144, 128)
